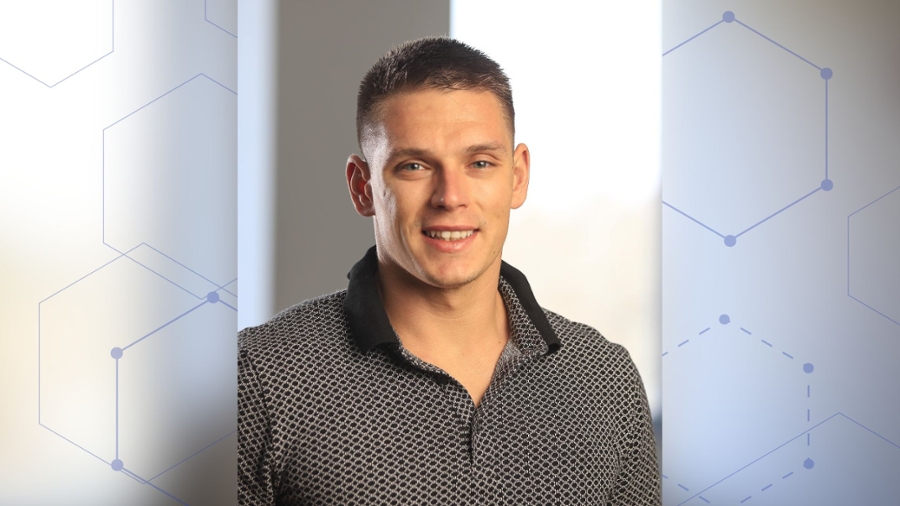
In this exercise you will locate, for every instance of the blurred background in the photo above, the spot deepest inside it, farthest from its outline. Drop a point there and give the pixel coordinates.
(714, 186)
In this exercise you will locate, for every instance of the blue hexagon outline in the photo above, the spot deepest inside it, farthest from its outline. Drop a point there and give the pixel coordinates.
(724, 319)
(114, 462)
(111, 51)
(848, 256)
(826, 184)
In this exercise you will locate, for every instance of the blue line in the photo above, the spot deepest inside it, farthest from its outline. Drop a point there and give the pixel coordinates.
(227, 304)
(682, 486)
(694, 219)
(870, 430)
(778, 212)
(826, 129)
(704, 499)
(665, 477)
(762, 457)
(198, 452)
(220, 287)
(133, 476)
(746, 331)
(168, 494)
(117, 408)
(874, 201)
(113, 32)
(777, 44)
(165, 278)
(807, 440)
(664, 354)
(182, 315)
(703, 331)
(692, 38)
(873, 309)
(74, 443)
(210, 22)
(766, 343)
(768, 486)
(807, 391)
(683, 342)
(807, 415)
(786, 355)
(848, 255)
(749, 496)
(86, 275)
(787, 475)
(146, 482)
(39, 363)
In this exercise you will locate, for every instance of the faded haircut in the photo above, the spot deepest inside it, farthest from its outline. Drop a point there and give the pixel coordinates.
(439, 63)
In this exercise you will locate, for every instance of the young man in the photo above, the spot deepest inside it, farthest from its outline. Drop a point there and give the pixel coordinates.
(435, 377)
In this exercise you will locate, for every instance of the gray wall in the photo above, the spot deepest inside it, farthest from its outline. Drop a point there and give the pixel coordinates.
(318, 235)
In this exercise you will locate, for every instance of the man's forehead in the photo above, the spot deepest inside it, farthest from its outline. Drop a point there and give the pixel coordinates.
(426, 119)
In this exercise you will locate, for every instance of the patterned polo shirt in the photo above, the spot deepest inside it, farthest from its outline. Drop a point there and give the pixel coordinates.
(333, 410)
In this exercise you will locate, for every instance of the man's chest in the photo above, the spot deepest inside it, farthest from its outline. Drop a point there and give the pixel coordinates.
(385, 438)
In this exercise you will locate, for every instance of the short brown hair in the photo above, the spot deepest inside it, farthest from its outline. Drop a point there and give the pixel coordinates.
(431, 63)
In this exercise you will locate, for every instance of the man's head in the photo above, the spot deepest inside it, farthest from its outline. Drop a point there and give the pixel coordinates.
(437, 63)
(435, 120)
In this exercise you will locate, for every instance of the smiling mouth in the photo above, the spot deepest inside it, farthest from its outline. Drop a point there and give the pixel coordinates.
(447, 235)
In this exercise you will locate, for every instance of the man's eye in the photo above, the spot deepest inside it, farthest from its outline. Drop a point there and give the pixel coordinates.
(411, 166)
(481, 164)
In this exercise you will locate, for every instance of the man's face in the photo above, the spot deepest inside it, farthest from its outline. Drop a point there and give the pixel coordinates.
(441, 163)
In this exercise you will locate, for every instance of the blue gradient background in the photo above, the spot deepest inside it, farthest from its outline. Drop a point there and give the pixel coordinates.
(744, 136)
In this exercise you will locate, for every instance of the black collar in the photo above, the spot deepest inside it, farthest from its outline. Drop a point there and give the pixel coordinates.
(369, 323)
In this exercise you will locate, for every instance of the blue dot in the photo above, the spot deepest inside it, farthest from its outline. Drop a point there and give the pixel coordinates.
(827, 185)
(728, 16)
(730, 240)
(724, 319)
(809, 464)
(826, 73)
(212, 297)
(808, 368)
(117, 465)
(116, 353)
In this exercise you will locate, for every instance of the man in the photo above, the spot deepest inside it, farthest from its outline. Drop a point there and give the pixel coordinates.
(435, 377)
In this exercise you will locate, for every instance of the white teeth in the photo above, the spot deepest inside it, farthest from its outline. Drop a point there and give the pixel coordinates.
(446, 235)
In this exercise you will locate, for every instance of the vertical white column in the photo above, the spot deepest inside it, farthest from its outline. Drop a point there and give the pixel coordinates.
(257, 58)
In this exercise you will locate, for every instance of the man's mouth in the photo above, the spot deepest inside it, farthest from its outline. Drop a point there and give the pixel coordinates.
(447, 235)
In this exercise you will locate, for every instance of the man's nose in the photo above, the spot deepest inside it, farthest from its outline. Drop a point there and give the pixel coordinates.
(452, 189)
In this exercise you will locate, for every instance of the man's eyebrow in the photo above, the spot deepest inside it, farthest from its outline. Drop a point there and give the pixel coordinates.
(478, 148)
(409, 152)
(424, 153)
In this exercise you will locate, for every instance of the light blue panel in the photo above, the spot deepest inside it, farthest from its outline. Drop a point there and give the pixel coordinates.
(780, 274)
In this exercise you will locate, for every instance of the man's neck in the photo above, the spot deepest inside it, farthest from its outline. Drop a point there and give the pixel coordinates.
(446, 323)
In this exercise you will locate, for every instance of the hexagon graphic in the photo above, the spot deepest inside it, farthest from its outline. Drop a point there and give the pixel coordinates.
(137, 371)
(873, 249)
(222, 14)
(52, 40)
(168, 182)
(745, 129)
(730, 395)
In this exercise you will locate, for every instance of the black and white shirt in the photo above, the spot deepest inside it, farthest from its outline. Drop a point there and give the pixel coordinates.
(332, 409)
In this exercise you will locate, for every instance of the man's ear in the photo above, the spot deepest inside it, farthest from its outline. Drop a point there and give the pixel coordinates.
(360, 186)
(521, 173)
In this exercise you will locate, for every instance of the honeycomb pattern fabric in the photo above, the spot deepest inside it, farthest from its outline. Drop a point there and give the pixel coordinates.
(332, 410)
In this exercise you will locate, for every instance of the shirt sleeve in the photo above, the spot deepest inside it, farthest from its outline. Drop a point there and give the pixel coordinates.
(639, 479)
(255, 468)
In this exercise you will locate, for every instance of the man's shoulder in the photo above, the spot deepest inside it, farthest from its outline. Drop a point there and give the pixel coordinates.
(312, 322)
(583, 346)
